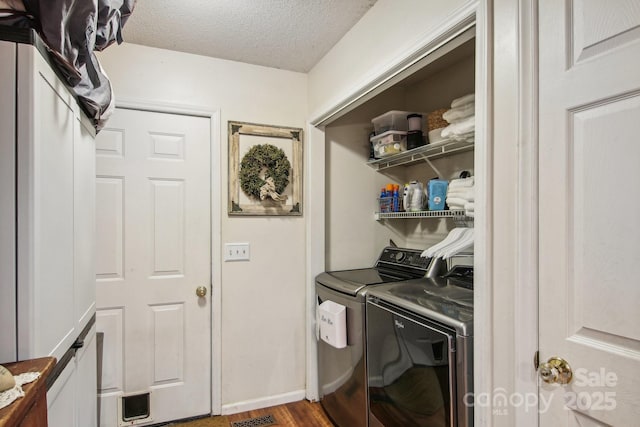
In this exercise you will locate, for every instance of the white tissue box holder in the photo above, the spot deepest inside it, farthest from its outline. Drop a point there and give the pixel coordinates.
(333, 324)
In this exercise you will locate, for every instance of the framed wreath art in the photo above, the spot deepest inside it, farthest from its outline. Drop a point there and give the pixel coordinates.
(265, 169)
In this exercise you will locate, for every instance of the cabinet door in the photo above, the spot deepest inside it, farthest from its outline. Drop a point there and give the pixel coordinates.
(46, 322)
(84, 167)
(72, 399)
(87, 382)
(61, 398)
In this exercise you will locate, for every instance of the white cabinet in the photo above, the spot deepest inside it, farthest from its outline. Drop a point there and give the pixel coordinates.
(84, 225)
(47, 229)
(71, 401)
(45, 135)
(7, 202)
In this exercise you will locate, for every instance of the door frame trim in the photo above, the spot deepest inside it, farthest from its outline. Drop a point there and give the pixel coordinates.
(526, 294)
(215, 182)
(486, 312)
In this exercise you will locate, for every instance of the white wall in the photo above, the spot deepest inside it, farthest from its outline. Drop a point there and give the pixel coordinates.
(353, 238)
(387, 33)
(263, 300)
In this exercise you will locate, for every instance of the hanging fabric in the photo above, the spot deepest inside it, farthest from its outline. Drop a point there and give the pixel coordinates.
(72, 30)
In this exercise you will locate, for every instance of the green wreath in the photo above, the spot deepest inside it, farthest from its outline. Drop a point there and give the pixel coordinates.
(258, 158)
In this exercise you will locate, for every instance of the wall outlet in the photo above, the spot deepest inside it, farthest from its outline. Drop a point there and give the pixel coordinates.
(236, 252)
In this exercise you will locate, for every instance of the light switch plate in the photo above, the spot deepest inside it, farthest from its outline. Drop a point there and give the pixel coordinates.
(236, 252)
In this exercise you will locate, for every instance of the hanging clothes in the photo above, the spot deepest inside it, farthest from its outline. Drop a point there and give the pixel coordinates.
(86, 26)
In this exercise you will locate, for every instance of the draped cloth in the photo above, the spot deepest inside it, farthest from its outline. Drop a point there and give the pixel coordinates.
(73, 30)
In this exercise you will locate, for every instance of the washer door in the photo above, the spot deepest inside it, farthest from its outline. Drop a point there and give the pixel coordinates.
(411, 370)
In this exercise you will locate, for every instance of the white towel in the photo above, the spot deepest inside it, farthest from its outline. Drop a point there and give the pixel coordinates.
(461, 183)
(456, 115)
(470, 209)
(467, 137)
(457, 202)
(463, 127)
(463, 100)
(461, 192)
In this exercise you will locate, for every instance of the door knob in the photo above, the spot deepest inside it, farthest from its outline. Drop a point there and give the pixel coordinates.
(556, 371)
(201, 291)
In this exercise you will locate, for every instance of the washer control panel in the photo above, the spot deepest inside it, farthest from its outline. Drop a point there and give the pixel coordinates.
(403, 258)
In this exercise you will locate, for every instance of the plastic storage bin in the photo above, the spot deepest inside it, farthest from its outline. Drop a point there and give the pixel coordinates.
(388, 143)
(396, 120)
(390, 204)
(392, 120)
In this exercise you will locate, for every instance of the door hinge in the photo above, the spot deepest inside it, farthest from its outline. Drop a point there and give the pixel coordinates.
(536, 360)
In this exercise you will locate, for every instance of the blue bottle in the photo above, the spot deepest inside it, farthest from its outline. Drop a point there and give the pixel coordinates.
(396, 198)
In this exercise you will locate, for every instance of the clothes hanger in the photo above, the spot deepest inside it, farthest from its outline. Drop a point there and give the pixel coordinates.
(464, 242)
(451, 237)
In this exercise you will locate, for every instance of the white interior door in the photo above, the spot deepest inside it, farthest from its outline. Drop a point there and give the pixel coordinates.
(589, 202)
(153, 251)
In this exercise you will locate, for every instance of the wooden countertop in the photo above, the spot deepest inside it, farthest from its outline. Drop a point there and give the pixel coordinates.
(13, 414)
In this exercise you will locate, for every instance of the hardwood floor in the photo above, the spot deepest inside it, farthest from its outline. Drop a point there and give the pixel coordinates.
(303, 414)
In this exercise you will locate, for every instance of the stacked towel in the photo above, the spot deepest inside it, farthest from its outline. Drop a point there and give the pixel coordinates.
(463, 100)
(461, 119)
(461, 195)
(457, 114)
(463, 130)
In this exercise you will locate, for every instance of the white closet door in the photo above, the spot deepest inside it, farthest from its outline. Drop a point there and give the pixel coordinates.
(589, 247)
(153, 233)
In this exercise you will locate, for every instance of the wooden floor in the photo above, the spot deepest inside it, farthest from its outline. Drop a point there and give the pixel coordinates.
(303, 413)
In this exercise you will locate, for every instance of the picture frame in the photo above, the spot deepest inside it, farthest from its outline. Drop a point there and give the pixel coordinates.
(265, 170)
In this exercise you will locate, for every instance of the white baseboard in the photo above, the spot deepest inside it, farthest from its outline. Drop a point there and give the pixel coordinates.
(263, 402)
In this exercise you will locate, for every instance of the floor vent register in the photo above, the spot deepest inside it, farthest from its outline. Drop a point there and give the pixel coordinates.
(266, 420)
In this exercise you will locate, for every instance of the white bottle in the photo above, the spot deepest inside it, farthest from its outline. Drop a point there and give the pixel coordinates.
(416, 197)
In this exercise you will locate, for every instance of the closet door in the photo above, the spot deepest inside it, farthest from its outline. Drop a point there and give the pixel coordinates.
(588, 251)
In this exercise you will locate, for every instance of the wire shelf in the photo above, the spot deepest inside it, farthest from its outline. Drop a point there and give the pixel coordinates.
(457, 213)
(423, 153)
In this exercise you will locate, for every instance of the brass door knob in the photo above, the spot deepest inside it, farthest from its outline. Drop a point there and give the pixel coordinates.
(556, 371)
(201, 291)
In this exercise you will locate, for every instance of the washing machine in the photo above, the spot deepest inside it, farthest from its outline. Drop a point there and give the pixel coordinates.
(342, 371)
(420, 353)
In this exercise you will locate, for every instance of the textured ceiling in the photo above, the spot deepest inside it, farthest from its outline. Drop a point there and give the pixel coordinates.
(288, 34)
